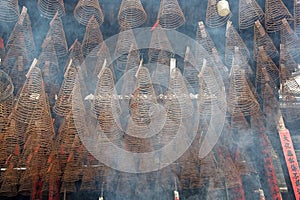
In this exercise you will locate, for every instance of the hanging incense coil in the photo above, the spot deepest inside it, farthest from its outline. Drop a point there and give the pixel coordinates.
(22, 35)
(5, 111)
(10, 10)
(233, 40)
(85, 9)
(297, 16)
(70, 176)
(249, 12)
(190, 172)
(52, 175)
(49, 8)
(264, 61)
(31, 99)
(240, 97)
(213, 19)
(131, 14)
(10, 181)
(170, 14)
(289, 39)
(261, 38)
(126, 42)
(159, 42)
(63, 104)
(92, 37)
(89, 179)
(204, 38)
(287, 60)
(6, 86)
(239, 60)
(275, 12)
(239, 121)
(57, 34)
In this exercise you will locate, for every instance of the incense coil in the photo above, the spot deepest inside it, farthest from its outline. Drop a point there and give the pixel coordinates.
(131, 14)
(213, 19)
(209, 92)
(126, 42)
(275, 11)
(289, 39)
(57, 34)
(288, 61)
(170, 14)
(85, 9)
(10, 10)
(264, 61)
(240, 97)
(18, 71)
(10, 181)
(204, 38)
(233, 40)
(297, 17)
(190, 72)
(6, 86)
(159, 42)
(92, 38)
(32, 95)
(239, 121)
(89, 179)
(190, 172)
(102, 55)
(136, 144)
(22, 34)
(261, 38)
(249, 12)
(5, 111)
(63, 104)
(49, 8)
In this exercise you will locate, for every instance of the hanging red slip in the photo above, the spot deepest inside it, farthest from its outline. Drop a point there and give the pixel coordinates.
(155, 25)
(1, 43)
(291, 160)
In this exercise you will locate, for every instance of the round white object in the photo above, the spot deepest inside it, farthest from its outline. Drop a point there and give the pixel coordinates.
(223, 8)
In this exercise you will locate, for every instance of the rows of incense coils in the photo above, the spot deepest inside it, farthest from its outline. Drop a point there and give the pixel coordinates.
(40, 145)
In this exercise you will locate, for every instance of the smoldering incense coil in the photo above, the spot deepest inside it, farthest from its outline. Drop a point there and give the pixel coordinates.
(131, 14)
(22, 33)
(48, 8)
(204, 38)
(159, 42)
(233, 40)
(10, 10)
(261, 38)
(85, 9)
(249, 12)
(213, 19)
(275, 11)
(289, 39)
(170, 14)
(92, 37)
(57, 34)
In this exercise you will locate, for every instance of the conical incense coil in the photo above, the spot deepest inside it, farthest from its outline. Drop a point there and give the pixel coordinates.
(209, 92)
(63, 104)
(190, 71)
(89, 179)
(233, 40)
(204, 38)
(264, 61)
(275, 12)
(261, 38)
(271, 107)
(102, 55)
(297, 16)
(289, 39)
(31, 99)
(52, 175)
(57, 34)
(239, 121)
(70, 176)
(131, 14)
(213, 19)
(6, 86)
(22, 33)
(159, 42)
(10, 10)
(263, 77)
(92, 37)
(143, 107)
(49, 8)
(287, 60)
(240, 96)
(249, 12)
(85, 9)
(170, 14)
(239, 60)
(190, 172)
(5, 110)
(126, 42)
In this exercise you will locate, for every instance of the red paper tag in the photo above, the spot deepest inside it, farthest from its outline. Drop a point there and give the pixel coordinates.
(1, 43)
(17, 150)
(155, 25)
(70, 157)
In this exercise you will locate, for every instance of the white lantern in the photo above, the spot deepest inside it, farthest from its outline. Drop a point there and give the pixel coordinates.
(223, 8)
